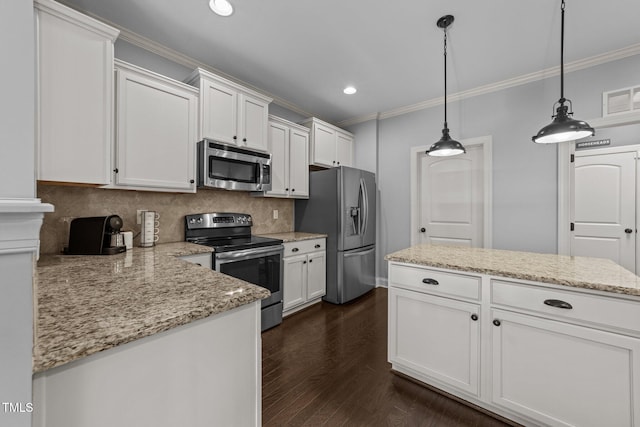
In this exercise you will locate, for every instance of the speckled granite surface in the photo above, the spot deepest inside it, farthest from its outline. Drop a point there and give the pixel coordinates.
(86, 304)
(294, 236)
(580, 272)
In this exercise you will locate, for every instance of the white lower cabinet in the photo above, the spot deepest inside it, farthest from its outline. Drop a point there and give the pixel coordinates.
(538, 354)
(562, 374)
(437, 337)
(305, 274)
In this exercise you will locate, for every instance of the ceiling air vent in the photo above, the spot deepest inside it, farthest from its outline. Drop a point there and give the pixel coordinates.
(621, 101)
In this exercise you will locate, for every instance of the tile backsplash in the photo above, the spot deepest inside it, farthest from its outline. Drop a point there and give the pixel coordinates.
(75, 201)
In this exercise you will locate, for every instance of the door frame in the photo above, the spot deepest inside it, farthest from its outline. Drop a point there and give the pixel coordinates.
(565, 150)
(486, 143)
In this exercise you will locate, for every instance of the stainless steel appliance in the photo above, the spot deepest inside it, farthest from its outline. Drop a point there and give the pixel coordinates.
(239, 254)
(98, 235)
(232, 168)
(342, 204)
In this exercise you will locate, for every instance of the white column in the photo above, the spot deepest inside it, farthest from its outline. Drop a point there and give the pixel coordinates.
(20, 212)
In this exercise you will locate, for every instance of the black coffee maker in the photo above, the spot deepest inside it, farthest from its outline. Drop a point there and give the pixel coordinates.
(98, 235)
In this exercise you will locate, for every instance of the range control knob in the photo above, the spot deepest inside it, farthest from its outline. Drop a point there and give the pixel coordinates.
(199, 220)
(192, 221)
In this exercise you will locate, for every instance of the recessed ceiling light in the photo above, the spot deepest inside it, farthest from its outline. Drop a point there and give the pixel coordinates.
(221, 7)
(350, 90)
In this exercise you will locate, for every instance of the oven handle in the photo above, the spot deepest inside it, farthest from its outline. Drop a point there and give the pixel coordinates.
(249, 253)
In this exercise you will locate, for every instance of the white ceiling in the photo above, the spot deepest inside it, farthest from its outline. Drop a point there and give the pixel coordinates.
(307, 51)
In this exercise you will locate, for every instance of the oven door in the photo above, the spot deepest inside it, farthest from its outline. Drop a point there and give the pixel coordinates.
(260, 266)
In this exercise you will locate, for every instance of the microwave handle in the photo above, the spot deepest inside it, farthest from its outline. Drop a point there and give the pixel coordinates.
(261, 180)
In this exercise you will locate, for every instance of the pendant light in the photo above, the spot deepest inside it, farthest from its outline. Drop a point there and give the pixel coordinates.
(563, 127)
(446, 146)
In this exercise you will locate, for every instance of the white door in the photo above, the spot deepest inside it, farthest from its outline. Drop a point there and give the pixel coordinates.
(279, 149)
(316, 275)
(253, 120)
(219, 113)
(324, 146)
(299, 163)
(451, 198)
(604, 208)
(294, 281)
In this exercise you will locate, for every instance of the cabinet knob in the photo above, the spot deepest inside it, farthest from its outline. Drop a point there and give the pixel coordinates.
(422, 230)
(235, 137)
(334, 162)
(304, 262)
(310, 261)
(295, 250)
(316, 246)
(293, 189)
(286, 189)
(244, 139)
(116, 170)
(191, 181)
(496, 322)
(628, 230)
(338, 162)
(430, 281)
(474, 317)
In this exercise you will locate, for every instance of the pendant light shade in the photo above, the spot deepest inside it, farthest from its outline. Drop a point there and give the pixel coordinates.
(446, 146)
(563, 127)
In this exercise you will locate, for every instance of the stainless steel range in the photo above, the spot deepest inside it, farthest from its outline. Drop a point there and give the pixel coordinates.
(239, 254)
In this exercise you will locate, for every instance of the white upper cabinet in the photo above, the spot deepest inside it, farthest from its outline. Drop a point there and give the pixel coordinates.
(230, 113)
(289, 148)
(330, 145)
(156, 131)
(74, 95)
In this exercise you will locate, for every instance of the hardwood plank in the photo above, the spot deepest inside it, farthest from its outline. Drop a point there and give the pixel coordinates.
(327, 366)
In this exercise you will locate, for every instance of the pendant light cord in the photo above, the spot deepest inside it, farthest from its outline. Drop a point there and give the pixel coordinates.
(562, 99)
(445, 78)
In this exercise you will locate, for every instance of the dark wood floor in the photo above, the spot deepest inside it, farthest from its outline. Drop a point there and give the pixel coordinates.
(327, 365)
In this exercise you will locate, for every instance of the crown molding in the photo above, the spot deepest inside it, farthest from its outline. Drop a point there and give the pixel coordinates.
(186, 61)
(359, 119)
(506, 84)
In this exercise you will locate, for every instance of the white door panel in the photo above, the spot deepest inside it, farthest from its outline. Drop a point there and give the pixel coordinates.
(452, 198)
(604, 208)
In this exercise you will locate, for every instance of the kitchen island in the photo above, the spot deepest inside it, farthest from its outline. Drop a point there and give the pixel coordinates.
(145, 338)
(540, 339)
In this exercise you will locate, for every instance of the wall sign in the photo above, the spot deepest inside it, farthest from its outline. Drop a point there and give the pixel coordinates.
(589, 144)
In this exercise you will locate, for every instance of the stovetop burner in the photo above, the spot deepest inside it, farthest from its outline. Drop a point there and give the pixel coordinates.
(236, 243)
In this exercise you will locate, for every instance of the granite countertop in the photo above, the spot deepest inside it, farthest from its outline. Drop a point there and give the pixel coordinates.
(580, 272)
(86, 304)
(294, 236)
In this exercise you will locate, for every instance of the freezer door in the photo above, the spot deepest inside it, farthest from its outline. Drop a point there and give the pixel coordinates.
(356, 273)
(351, 210)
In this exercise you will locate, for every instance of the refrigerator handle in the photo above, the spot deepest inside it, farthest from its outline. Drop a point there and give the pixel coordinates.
(364, 207)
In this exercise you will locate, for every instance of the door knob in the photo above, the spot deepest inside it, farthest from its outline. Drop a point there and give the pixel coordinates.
(422, 230)
(628, 230)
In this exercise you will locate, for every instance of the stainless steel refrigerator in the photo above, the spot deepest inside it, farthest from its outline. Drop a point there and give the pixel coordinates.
(342, 205)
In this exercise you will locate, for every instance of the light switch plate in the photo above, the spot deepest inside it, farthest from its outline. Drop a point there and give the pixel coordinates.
(275, 214)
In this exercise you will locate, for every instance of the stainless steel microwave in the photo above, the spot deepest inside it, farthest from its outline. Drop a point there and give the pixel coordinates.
(232, 168)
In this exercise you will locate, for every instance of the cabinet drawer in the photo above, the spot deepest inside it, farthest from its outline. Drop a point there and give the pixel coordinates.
(304, 247)
(434, 282)
(595, 309)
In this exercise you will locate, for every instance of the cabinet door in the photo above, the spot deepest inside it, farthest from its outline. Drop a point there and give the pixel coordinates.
(155, 133)
(219, 115)
(75, 91)
(436, 337)
(344, 150)
(294, 281)
(317, 275)
(299, 163)
(279, 149)
(562, 374)
(253, 120)
(324, 146)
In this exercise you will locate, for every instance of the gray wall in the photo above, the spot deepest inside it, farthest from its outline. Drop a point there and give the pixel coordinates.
(17, 180)
(366, 146)
(524, 174)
